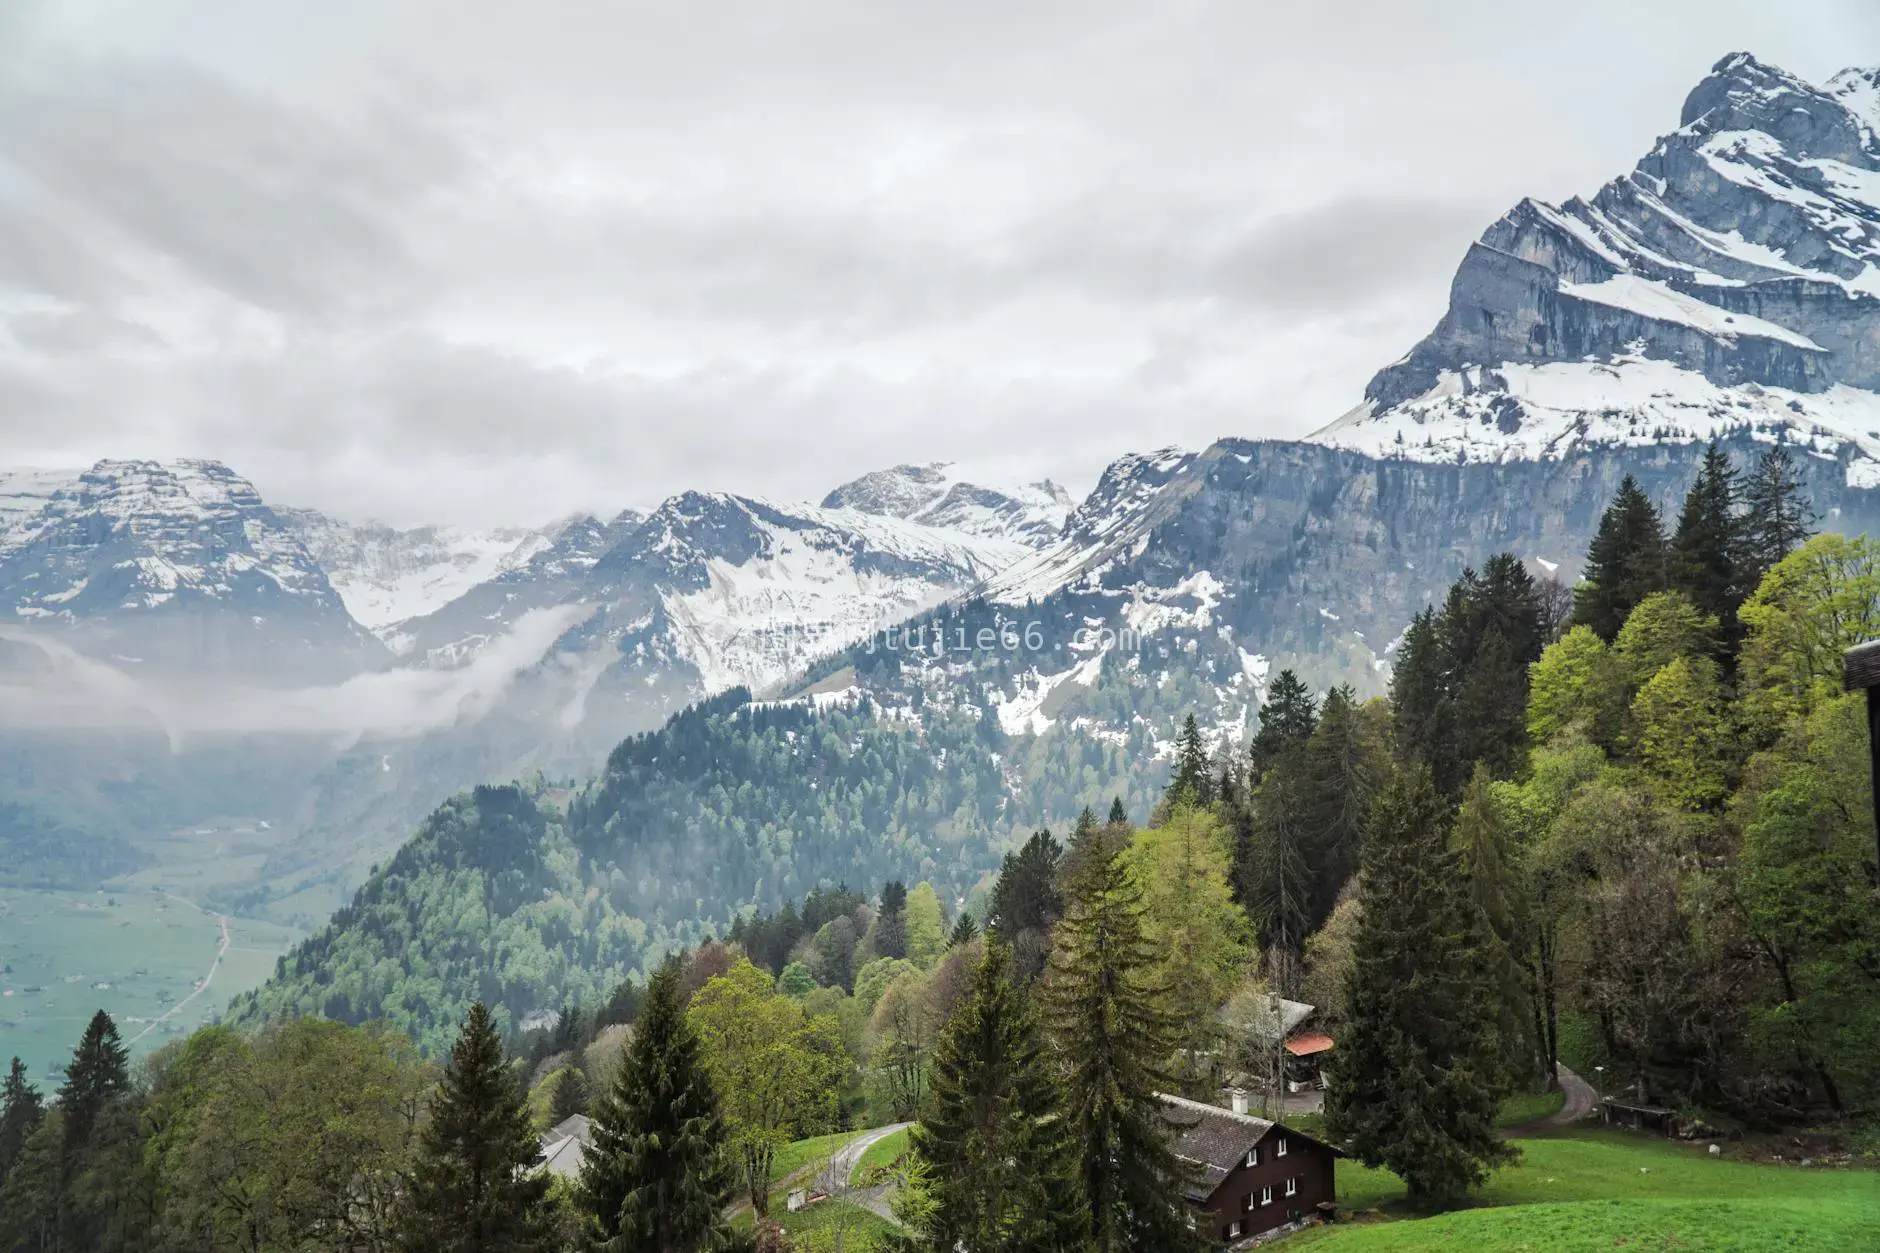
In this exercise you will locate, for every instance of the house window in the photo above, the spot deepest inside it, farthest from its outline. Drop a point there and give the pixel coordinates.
(1253, 1158)
(1279, 1149)
(1246, 1203)
(1292, 1187)
(1266, 1195)
(1235, 1230)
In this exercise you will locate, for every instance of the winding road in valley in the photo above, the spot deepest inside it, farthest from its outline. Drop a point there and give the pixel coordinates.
(220, 952)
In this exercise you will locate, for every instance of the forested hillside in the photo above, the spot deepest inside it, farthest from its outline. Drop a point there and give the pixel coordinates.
(528, 898)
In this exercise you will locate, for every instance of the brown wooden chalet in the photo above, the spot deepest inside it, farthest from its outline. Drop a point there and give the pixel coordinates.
(1252, 1175)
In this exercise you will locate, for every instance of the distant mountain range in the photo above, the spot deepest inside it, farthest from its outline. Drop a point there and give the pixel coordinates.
(1725, 289)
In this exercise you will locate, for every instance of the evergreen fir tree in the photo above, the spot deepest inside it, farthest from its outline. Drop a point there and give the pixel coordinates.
(1287, 717)
(21, 1110)
(964, 929)
(1119, 817)
(891, 922)
(1777, 517)
(1705, 558)
(1115, 1037)
(1026, 903)
(570, 1098)
(1279, 889)
(1418, 1075)
(1624, 564)
(1422, 714)
(658, 1174)
(1490, 717)
(1193, 783)
(98, 1074)
(1001, 1162)
(474, 1185)
(1345, 764)
(1496, 894)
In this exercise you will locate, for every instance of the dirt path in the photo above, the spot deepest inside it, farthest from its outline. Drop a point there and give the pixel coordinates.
(220, 952)
(1580, 1103)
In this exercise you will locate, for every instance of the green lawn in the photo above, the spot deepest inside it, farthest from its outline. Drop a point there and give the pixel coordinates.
(880, 1155)
(793, 1157)
(1607, 1190)
(815, 1228)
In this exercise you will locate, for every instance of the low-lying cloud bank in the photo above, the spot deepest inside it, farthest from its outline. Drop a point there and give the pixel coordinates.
(66, 690)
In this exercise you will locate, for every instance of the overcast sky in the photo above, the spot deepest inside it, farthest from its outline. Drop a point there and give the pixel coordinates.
(484, 260)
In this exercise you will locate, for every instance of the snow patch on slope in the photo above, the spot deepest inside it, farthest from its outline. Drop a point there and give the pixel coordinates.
(1655, 300)
(1630, 402)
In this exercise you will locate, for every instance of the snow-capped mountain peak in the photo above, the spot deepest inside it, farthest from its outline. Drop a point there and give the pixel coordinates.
(934, 494)
(1730, 281)
(179, 542)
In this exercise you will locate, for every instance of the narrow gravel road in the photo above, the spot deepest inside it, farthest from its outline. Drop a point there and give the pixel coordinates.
(1580, 1103)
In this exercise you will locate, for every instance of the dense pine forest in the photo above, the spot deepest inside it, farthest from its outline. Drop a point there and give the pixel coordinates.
(1626, 828)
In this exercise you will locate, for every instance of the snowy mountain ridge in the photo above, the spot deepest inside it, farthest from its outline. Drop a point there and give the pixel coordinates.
(387, 575)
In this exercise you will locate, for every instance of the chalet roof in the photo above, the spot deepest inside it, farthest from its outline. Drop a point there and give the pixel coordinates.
(1256, 1015)
(579, 1126)
(564, 1146)
(1309, 1043)
(1213, 1138)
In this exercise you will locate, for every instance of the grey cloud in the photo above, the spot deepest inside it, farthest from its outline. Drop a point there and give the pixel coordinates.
(79, 330)
(170, 167)
(461, 260)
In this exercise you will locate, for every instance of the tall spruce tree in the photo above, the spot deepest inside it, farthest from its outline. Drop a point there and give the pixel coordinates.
(964, 929)
(1422, 715)
(1344, 764)
(1002, 1164)
(1777, 516)
(98, 1074)
(1119, 816)
(1418, 1075)
(659, 1175)
(891, 922)
(1026, 902)
(1193, 783)
(1115, 1038)
(474, 1187)
(1624, 564)
(1705, 560)
(1287, 718)
(21, 1110)
(1497, 896)
(570, 1096)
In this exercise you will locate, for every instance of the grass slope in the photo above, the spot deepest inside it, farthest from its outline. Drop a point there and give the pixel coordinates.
(1606, 1190)
(879, 1156)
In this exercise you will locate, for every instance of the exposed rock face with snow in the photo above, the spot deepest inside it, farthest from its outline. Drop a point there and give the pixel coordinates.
(180, 564)
(1032, 513)
(1730, 282)
(386, 575)
(714, 590)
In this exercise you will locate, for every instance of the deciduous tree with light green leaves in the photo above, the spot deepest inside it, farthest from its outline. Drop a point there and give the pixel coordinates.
(1577, 685)
(1190, 918)
(774, 1067)
(1816, 603)
(926, 926)
(1677, 730)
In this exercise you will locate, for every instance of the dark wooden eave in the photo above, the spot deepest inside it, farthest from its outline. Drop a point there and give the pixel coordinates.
(1860, 666)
